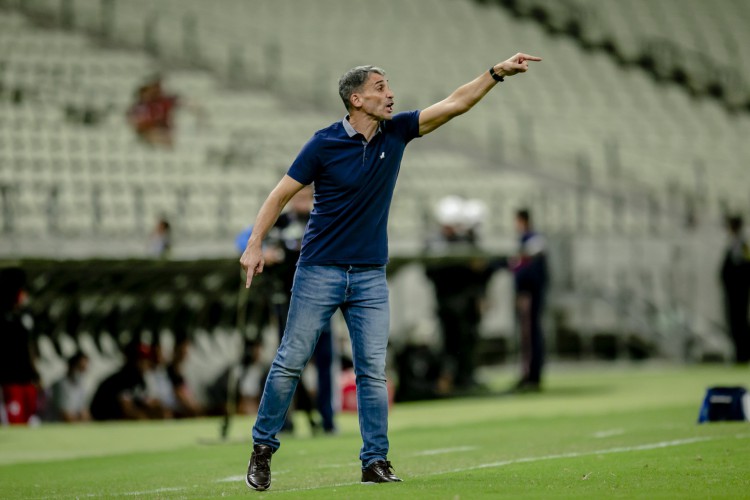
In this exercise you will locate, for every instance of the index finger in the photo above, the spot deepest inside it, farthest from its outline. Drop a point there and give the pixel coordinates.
(527, 57)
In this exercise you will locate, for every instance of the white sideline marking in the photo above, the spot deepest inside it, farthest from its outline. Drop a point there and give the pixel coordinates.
(622, 449)
(607, 451)
(337, 485)
(609, 433)
(442, 451)
(150, 492)
(231, 479)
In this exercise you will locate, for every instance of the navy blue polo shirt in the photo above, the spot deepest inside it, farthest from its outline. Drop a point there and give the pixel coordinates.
(354, 181)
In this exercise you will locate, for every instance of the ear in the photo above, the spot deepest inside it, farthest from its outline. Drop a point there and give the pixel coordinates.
(355, 101)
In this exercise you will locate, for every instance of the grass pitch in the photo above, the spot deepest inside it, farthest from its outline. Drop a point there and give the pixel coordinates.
(595, 432)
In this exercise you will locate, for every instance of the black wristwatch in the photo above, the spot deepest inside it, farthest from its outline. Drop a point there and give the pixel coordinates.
(494, 75)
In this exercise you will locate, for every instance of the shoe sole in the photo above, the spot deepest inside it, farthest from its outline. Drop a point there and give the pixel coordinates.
(256, 487)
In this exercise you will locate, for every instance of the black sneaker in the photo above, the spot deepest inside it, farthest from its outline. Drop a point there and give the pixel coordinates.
(259, 469)
(379, 472)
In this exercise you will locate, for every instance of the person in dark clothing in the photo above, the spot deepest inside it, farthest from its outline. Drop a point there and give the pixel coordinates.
(122, 395)
(530, 278)
(281, 251)
(353, 164)
(283, 246)
(151, 114)
(161, 239)
(735, 281)
(19, 378)
(68, 395)
(460, 289)
(187, 406)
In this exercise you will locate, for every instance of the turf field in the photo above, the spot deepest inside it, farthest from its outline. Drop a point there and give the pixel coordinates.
(595, 432)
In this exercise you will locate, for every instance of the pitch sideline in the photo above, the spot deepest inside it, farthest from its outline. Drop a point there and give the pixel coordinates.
(489, 465)
(503, 463)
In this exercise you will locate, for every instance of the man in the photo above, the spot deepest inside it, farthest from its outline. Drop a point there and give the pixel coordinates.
(151, 115)
(281, 251)
(19, 379)
(69, 402)
(735, 280)
(186, 404)
(530, 272)
(123, 395)
(161, 239)
(460, 289)
(353, 164)
(282, 254)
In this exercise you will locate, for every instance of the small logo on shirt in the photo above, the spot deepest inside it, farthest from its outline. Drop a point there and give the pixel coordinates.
(382, 155)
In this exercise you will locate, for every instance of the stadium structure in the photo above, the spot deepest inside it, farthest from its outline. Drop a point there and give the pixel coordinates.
(629, 144)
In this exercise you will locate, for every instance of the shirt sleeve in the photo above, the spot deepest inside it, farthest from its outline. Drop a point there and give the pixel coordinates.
(406, 124)
(306, 166)
(535, 245)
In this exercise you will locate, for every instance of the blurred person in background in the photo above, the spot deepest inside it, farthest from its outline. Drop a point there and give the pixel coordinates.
(151, 114)
(19, 379)
(353, 164)
(237, 389)
(123, 395)
(185, 403)
(161, 239)
(735, 281)
(281, 251)
(68, 395)
(460, 289)
(158, 383)
(529, 267)
(283, 246)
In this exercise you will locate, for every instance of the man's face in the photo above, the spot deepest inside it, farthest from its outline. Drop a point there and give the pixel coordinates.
(375, 97)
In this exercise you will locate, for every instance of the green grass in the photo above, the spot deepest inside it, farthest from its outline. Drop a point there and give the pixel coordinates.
(620, 431)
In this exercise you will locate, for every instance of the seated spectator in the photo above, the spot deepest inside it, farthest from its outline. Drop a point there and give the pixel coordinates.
(123, 394)
(238, 388)
(69, 393)
(19, 379)
(158, 385)
(151, 114)
(185, 403)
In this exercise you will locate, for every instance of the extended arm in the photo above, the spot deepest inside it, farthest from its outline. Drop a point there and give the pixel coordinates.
(467, 95)
(252, 258)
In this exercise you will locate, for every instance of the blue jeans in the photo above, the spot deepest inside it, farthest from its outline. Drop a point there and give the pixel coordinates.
(323, 356)
(362, 295)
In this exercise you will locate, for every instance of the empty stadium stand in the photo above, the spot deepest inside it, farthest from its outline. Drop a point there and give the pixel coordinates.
(628, 176)
(617, 131)
(695, 43)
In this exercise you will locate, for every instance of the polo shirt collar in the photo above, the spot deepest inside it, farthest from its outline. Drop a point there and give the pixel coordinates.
(350, 130)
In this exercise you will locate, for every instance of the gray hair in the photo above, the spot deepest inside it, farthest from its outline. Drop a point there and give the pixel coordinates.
(352, 81)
